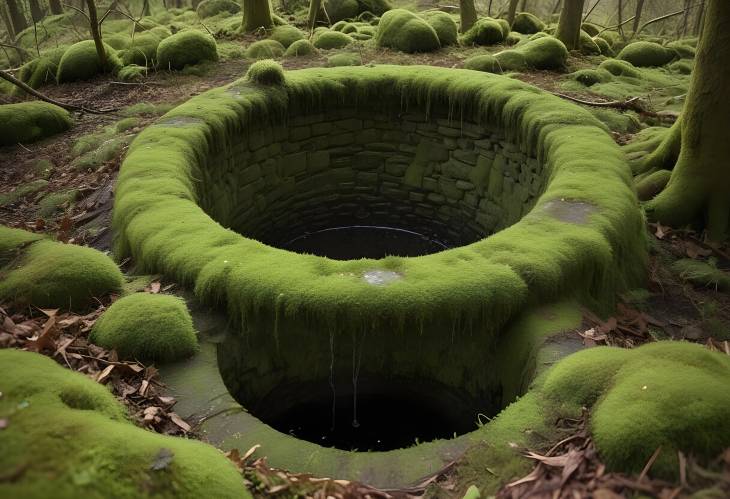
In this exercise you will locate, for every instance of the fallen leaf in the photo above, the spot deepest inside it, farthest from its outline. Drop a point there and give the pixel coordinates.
(155, 287)
(105, 373)
(179, 422)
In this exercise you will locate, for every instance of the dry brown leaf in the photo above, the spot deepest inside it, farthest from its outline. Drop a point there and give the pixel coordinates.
(180, 422)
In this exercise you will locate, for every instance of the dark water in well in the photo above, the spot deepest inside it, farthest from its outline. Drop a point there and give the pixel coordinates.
(364, 241)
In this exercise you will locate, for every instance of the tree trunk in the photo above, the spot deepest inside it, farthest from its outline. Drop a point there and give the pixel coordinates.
(35, 10)
(637, 16)
(8, 23)
(621, 18)
(700, 183)
(512, 10)
(523, 6)
(699, 19)
(256, 14)
(56, 7)
(16, 16)
(556, 6)
(489, 8)
(314, 8)
(569, 24)
(467, 14)
(685, 17)
(96, 33)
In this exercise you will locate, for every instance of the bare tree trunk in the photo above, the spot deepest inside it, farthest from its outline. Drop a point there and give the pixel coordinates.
(621, 18)
(146, 8)
(699, 20)
(314, 7)
(489, 8)
(557, 6)
(8, 23)
(511, 12)
(16, 16)
(637, 16)
(35, 10)
(685, 18)
(96, 32)
(699, 187)
(467, 14)
(523, 6)
(56, 7)
(256, 14)
(569, 24)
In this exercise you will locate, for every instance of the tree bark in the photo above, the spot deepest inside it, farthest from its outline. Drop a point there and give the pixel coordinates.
(56, 7)
(699, 20)
(256, 14)
(569, 24)
(467, 14)
(16, 16)
(96, 32)
(512, 10)
(523, 6)
(685, 18)
(621, 18)
(637, 16)
(314, 8)
(699, 187)
(36, 13)
(8, 23)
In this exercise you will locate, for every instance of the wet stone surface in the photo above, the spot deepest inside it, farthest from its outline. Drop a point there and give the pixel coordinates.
(565, 210)
(381, 277)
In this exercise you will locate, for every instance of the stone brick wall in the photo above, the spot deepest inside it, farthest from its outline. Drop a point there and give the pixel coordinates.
(455, 182)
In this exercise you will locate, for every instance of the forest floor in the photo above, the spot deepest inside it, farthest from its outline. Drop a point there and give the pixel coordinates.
(668, 308)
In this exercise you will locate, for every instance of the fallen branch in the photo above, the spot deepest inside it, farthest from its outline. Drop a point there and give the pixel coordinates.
(70, 107)
(632, 104)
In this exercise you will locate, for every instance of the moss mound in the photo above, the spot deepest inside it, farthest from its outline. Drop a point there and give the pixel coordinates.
(210, 8)
(147, 326)
(403, 30)
(55, 275)
(681, 67)
(142, 51)
(682, 50)
(486, 31)
(344, 59)
(590, 28)
(13, 242)
(646, 54)
(266, 72)
(542, 53)
(81, 62)
(590, 77)
(328, 39)
(40, 70)
(669, 394)
(68, 433)
(486, 62)
(620, 68)
(30, 121)
(300, 48)
(603, 46)
(132, 72)
(702, 274)
(287, 34)
(587, 45)
(338, 10)
(444, 25)
(22, 191)
(527, 23)
(186, 48)
(265, 49)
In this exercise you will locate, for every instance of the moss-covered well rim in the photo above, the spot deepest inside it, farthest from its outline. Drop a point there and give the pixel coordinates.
(550, 253)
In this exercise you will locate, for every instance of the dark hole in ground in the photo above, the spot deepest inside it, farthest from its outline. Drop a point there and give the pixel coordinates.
(364, 241)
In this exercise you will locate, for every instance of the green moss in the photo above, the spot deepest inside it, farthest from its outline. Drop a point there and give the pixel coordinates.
(50, 204)
(210, 8)
(587, 45)
(186, 48)
(57, 275)
(337, 10)
(41, 70)
(81, 62)
(527, 23)
(147, 326)
(147, 109)
(118, 42)
(70, 436)
(620, 68)
(589, 77)
(132, 73)
(30, 121)
(682, 67)
(590, 28)
(702, 274)
(617, 121)
(13, 242)
(158, 221)
(682, 50)
(43, 168)
(646, 54)
(671, 395)
(300, 48)
(486, 31)
(287, 34)
(444, 25)
(652, 184)
(265, 49)
(141, 51)
(542, 53)
(486, 62)
(126, 124)
(266, 72)
(22, 191)
(603, 46)
(327, 40)
(344, 59)
(513, 38)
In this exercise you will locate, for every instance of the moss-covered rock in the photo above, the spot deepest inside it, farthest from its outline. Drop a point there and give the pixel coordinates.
(485, 62)
(682, 67)
(671, 395)
(210, 8)
(287, 34)
(444, 25)
(620, 68)
(266, 72)
(590, 77)
(403, 30)
(81, 62)
(328, 40)
(141, 51)
(590, 28)
(147, 326)
(486, 31)
(40, 70)
(338, 10)
(344, 59)
(300, 48)
(132, 72)
(603, 46)
(186, 48)
(49, 274)
(542, 53)
(646, 54)
(265, 49)
(587, 45)
(71, 437)
(682, 50)
(527, 23)
(30, 121)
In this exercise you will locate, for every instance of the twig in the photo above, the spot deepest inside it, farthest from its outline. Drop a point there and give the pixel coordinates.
(78, 10)
(617, 25)
(590, 11)
(657, 19)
